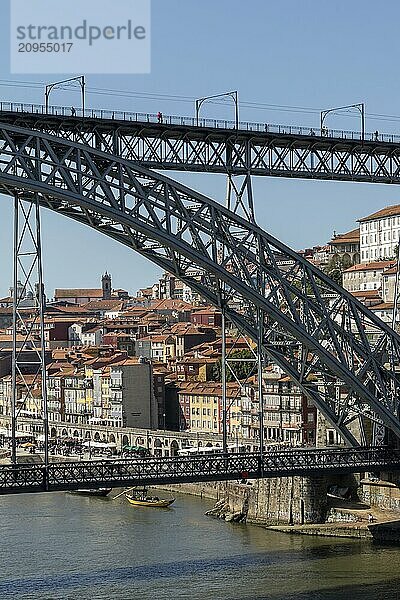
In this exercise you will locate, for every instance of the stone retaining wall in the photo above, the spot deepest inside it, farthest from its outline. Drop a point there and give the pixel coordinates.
(279, 500)
(382, 494)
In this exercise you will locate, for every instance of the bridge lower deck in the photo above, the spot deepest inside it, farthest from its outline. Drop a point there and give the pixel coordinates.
(66, 476)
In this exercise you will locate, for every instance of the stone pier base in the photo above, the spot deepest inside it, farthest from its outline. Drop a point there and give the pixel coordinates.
(288, 500)
(275, 501)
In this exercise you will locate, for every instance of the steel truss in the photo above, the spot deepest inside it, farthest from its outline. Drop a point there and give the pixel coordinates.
(25, 478)
(239, 200)
(28, 354)
(313, 329)
(212, 150)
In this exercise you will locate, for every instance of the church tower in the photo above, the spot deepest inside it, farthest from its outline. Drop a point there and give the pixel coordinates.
(106, 285)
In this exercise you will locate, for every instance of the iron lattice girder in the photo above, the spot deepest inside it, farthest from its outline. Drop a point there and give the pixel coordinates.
(23, 478)
(189, 148)
(316, 331)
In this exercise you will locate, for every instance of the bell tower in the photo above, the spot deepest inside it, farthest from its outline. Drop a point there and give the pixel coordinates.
(106, 285)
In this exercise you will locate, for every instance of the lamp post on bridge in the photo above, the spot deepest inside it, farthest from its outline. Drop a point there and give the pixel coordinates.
(80, 79)
(360, 106)
(233, 94)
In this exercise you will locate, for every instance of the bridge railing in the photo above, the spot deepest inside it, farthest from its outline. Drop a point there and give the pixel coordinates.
(120, 472)
(212, 467)
(329, 459)
(140, 117)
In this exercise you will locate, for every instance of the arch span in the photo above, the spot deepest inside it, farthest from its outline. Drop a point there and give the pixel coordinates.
(338, 352)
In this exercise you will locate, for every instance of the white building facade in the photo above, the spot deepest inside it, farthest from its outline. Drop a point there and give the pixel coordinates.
(379, 234)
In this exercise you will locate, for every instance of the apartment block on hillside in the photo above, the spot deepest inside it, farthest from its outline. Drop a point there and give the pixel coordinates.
(379, 234)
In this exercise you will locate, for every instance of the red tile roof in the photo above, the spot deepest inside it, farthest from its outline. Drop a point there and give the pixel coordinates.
(207, 310)
(389, 211)
(382, 306)
(372, 266)
(390, 271)
(352, 236)
(156, 338)
(78, 293)
(66, 309)
(103, 305)
(170, 304)
(366, 294)
(208, 388)
(126, 362)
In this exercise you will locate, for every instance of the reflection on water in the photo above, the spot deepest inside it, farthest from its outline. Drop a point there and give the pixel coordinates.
(66, 546)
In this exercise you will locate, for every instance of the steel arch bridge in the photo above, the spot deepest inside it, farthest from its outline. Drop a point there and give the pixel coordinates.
(318, 333)
(212, 146)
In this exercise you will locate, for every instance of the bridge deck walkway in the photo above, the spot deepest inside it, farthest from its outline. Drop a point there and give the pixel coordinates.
(118, 118)
(189, 469)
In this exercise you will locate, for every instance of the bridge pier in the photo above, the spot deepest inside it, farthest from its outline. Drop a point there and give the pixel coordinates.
(289, 501)
(274, 501)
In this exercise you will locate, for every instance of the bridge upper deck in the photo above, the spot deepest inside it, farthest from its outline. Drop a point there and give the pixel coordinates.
(213, 145)
(110, 120)
(218, 146)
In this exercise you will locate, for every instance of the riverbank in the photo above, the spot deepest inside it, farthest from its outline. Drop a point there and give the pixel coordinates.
(235, 503)
(350, 520)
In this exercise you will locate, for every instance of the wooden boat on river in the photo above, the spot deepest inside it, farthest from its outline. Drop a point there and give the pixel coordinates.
(139, 497)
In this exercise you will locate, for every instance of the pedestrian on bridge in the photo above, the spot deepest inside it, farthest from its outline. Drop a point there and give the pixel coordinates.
(376, 134)
(73, 112)
(159, 117)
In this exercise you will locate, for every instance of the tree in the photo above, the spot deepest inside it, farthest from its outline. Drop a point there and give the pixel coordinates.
(242, 369)
(335, 268)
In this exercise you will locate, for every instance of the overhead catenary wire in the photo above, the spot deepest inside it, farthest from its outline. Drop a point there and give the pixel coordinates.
(153, 96)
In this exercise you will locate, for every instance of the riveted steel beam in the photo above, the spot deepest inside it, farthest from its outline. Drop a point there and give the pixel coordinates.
(264, 151)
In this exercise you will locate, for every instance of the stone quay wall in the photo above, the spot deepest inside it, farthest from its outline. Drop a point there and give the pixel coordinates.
(274, 501)
(382, 494)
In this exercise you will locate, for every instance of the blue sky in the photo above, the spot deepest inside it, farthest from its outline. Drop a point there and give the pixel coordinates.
(306, 53)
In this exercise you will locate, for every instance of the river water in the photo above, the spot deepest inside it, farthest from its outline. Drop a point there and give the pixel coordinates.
(62, 546)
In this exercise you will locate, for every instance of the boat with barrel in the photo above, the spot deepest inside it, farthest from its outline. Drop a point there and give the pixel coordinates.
(140, 497)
